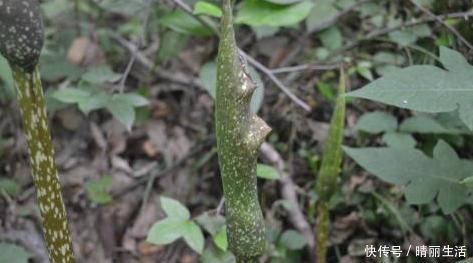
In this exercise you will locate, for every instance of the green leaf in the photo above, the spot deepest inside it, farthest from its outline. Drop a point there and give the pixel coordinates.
(322, 13)
(292, 240)
(184, 23)
(427, 88)
(468, 182)
(263, 13)
(220, 239)
(9, 186)
(398, 139)
(101, 74)
(166, 231)
(424, 178)
(206, 8)
(426, 124)
(211, 223)
(122, 111)
(13, 254)
(208, 77)
(97, 190)
(326, 90)
(258, 95)
(331, 38)
(410, 35)
(193, 236)
(376, 122)
(133, 99)
(267, 172)
(71, 95)
(174, 209)
(214, 255)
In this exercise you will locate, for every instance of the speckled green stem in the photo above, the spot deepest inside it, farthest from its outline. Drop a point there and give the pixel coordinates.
(21, 41)
(45, 175)
(239, 136)
(330, 168)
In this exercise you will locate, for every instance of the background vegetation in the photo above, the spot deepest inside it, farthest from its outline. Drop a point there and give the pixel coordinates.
(130, 87)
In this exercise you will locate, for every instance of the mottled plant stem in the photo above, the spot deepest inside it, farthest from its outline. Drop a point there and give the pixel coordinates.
(45, 175)
(21, 41)
(239, 136)
(326, 184)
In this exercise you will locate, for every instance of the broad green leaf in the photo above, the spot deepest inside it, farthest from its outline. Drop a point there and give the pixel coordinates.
(13, 254)
(97, 101)
(364, 69)
(410, 35)
(267, 172)
(9, 186)
(468, 182)
(427, 88)
(101, 74)
(97, 190)
(166, 231)
(263, 13)
(292, 240)
(326, 90)
(426, 124)
(122, 110)
(331, 38)
(333, 154)
(322, 13)
(376, 122)
(423, 177)
(193, 236)
(258, 95)
(132, 99)
(184, 23)
(208, 77)
(206, 8)
(214, 255)
(71, 95)
(398, 139)
(211, 223)
(220, 239)
(174, 209)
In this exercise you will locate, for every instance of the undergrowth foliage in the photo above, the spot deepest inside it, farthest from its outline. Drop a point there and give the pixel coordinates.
(425, 88)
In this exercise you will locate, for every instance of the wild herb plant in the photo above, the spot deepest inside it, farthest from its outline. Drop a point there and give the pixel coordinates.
(21, 42)
(431, 89)
(239, 135)
(326, 184)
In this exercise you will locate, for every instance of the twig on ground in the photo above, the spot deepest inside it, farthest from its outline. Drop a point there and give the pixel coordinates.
(304, 67)
(288, 191)
(441, 21)
(252, 61)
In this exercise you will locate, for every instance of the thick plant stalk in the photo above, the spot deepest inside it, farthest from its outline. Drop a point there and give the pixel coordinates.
(329, 170)
(21, 40)
(239, 136)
